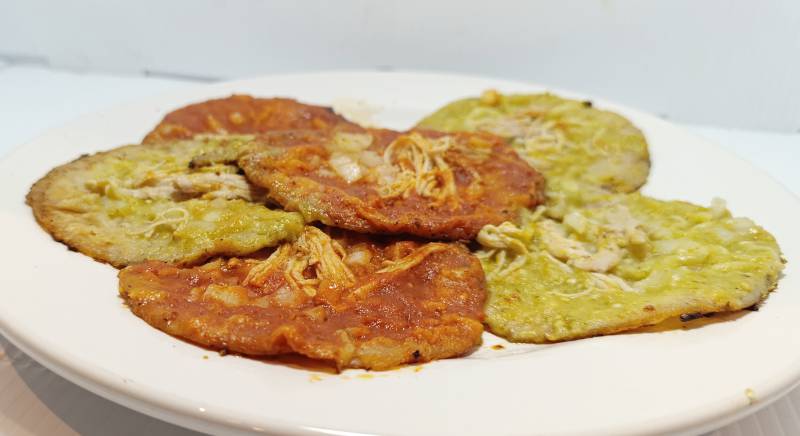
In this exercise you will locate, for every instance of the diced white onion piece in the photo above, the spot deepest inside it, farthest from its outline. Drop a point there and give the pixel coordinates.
(370, 158)
(346, 167)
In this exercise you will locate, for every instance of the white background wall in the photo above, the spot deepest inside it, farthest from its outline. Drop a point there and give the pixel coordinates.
(719, 62)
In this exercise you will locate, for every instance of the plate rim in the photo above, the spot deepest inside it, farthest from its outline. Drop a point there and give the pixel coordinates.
(132, 397)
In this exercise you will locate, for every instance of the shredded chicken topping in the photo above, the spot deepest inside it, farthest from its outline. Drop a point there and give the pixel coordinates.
(576, 253)
(504, 241)
(207, 185)
(410, 163)
(412, 259)
(509, 244)
(214, 185)
(530, 134)
(313, 250)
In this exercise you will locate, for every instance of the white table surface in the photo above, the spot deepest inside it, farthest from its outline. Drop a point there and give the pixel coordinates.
(35, 401)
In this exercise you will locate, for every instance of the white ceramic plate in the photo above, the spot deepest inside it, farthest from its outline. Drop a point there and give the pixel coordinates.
(63, 309)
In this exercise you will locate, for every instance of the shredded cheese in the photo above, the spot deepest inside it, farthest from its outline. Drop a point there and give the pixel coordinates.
(573, 295)
(419, 165)
(178, 219)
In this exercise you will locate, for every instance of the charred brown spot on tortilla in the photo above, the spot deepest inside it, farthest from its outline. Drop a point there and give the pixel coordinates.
(691, 316)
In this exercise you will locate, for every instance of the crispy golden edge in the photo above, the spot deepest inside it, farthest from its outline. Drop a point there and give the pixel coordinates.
(39, 200)
(644, 320)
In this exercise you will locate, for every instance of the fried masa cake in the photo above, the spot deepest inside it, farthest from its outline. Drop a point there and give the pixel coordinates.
(622, 263)
(355, 301)
(423, 183)
(243, 114)
(141, 202)
(583, 152)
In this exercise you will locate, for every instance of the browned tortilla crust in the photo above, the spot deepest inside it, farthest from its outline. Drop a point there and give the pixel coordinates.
(295, 170)
(39, 197)
(243, 114)
(431, 310)
(107, 223)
